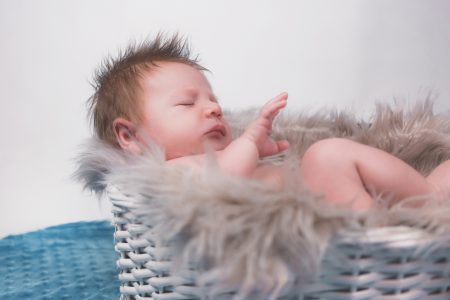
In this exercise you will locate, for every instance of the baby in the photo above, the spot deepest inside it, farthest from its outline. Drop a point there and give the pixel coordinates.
(156, 90)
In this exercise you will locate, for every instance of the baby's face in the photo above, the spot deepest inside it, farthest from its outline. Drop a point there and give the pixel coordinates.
(181, 113)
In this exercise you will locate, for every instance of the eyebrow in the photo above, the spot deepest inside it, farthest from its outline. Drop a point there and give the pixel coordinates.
(188, 91)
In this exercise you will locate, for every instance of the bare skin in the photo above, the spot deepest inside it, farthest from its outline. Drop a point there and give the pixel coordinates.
(241, 156)
(345, 172)
(348, 173)
(182, 115)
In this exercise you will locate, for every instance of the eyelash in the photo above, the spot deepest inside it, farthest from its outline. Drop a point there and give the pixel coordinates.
(191, 103)
(187, 103)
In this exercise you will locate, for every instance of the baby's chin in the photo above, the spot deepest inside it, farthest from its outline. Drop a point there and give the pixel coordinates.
(215, 144)
(201, 149)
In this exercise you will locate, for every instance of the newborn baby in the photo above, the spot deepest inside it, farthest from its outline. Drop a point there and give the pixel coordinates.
(157, 91)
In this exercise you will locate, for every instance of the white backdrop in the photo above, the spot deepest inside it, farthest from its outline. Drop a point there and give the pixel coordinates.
(337, 54)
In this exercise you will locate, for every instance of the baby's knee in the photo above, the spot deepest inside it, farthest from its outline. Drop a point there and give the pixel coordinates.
(328, 156)
(328, 151)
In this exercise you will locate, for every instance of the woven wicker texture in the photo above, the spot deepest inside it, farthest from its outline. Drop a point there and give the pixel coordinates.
(71, 261)
(387, 263)
(382, 264)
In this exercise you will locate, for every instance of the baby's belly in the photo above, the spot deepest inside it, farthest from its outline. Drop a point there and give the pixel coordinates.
(270, 174)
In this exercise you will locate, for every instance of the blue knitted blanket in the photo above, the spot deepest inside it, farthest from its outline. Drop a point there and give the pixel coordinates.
(70, 261)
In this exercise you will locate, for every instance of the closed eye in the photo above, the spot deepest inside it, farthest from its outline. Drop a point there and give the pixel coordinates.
(185, 103)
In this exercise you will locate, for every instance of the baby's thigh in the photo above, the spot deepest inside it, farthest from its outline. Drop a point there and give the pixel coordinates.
(373, 168)
(333, 152)
(332, 161)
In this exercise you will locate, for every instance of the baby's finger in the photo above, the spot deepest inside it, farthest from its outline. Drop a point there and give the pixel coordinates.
(271, 108)
(282, 145)
(270, 112)
(277, 99)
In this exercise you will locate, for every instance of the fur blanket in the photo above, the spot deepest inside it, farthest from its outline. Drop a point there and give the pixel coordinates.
(249, 237)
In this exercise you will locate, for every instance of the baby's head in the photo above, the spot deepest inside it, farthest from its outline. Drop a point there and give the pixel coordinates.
(156, 91)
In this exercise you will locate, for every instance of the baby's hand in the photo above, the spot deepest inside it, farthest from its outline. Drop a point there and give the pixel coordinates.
(258, 132)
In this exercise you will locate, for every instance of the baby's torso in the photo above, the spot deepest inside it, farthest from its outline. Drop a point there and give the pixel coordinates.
(268, 173)
(265, 172)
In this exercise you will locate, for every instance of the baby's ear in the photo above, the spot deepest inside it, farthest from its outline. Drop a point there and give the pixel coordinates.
(125, 132)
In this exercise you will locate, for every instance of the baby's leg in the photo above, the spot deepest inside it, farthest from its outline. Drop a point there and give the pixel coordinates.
(346, 172)
(440, 177)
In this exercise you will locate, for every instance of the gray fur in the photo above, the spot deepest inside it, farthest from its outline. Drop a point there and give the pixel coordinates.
(253, 237)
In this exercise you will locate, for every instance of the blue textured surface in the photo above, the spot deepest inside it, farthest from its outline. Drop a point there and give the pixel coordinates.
(70, 261)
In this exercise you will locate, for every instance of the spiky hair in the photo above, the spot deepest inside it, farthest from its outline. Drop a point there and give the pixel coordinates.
(117, 82)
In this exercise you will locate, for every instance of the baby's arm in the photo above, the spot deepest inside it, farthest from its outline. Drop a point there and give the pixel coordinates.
(242, 155)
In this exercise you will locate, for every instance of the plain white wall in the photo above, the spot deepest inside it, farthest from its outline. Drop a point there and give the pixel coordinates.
(343, 54)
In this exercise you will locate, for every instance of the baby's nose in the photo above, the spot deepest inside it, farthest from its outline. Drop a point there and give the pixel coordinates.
(214, 110)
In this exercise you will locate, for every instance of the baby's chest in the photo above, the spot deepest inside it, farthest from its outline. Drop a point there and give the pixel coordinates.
(268, 173)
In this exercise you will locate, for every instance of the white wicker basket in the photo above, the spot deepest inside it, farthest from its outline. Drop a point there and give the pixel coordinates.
(382, 264)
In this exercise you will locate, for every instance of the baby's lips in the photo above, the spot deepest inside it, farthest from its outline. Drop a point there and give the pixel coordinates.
(217, 128)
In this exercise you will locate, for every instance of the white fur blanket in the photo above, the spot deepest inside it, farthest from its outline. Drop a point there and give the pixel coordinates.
(250, 237)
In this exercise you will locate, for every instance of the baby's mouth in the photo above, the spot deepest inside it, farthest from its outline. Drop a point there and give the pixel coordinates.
(218, 129)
